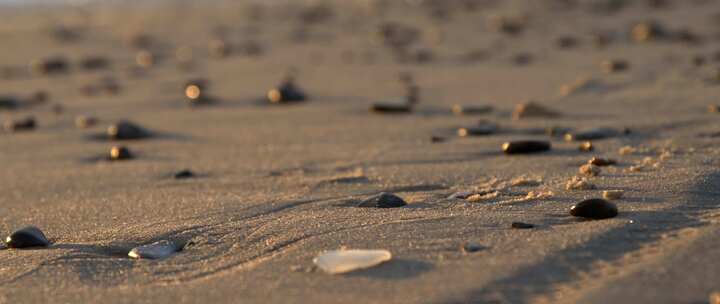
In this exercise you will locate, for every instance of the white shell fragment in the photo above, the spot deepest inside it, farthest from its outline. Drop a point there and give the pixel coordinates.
(158, 250)
(342, 261)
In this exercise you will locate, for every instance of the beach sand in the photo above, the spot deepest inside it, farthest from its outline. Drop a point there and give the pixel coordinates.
(278, 184)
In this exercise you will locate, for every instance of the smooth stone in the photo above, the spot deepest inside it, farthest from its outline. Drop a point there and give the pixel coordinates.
(594, 208)
(26, 237)
(9, 103)
(483, 128)
(602, 162)
(343, 261)
(25, 124)
(391, 107)
(469, 247)
(526, 146)
(155, 251)
(287, 92)
(184, 174)
(593, 134)
(120, 153)
(124, 130)
(471, 109)
(383, 200)
(521, 225)
(50, 66)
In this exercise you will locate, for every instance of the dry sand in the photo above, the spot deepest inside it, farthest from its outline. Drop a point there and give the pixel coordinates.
(272, 193)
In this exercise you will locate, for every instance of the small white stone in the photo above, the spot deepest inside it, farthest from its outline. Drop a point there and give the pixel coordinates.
(158, 250)
(342, 261)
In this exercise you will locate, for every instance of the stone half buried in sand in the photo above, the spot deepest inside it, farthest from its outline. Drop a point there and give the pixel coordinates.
(595, 134)
(155, 251)
(287, 92)
(383, 200)
(126, 130)
(391, 107)
(594, 208)
(526, 146)
(343, 261)
(532, 109)
(27, 237)
(481, 129)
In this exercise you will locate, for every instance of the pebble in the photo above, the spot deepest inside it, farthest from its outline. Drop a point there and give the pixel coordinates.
(579, 183)
(533, 110)
(49, 66)
(567, 42)
(589, 170)
(155, 251)
(343, 261)
(594, 208)
(521, 225)
(82, 121)
(593, 134)
(383, 200)
(648, 31)
(27, 237)
(586, 146)
(183, 174)
(9, 103)
(24, 124)
(713, 109)
(483, 128)
(120, 153)
(615, 66)
(437, 139)
(526, 146)
(626, 150)
(287, 92)
(470, 247)
(145, 59)
(124, 130)
(196, 92)
(507, 25)
(714, 298)
(471, 109)
(602, 162)
(94, 63)
(613, 194)
(391, 107)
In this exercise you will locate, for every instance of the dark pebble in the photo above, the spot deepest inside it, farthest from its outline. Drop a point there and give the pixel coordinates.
(526, 146)
(594, 208)
(521, 225)
(9, 103)
(391, 107)
(483, 128)
(27, 237)
(471, 109)
(119, 153)
(615, 66)
(437, 139)
(567, 42)
(287, 92)
(593, 134)
(470, 247)
(94, 63)
(383, 200)
(183, 174)
(25, 124)
(50, 66)
(124, 130)
(602, 162)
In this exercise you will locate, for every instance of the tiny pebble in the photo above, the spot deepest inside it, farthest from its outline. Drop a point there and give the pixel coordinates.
(25, 124)
(589, 170)
(183, 174)
(602, 162)
(469, 247)
(120, 153)
(521, 225)
(586, 146)
(613, 194)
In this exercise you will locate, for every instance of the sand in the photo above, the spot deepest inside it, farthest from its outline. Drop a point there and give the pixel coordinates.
(278, 184)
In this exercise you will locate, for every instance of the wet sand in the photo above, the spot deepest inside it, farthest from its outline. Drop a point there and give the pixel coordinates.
(278, 184)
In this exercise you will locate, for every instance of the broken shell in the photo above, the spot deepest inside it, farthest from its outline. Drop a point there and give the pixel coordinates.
(343, 261)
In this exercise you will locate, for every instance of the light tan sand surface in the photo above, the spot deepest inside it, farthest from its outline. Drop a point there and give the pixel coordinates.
(278, 184)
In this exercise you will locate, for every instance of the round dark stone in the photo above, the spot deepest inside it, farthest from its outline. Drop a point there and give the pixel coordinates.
(521, 225)
(126, 130)
(184, 174)
(20, 125)
(27, 237)
(594, 208)
(120, 153)
(383, 200)
(9, 103)
(287, 92)
(526, 146)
